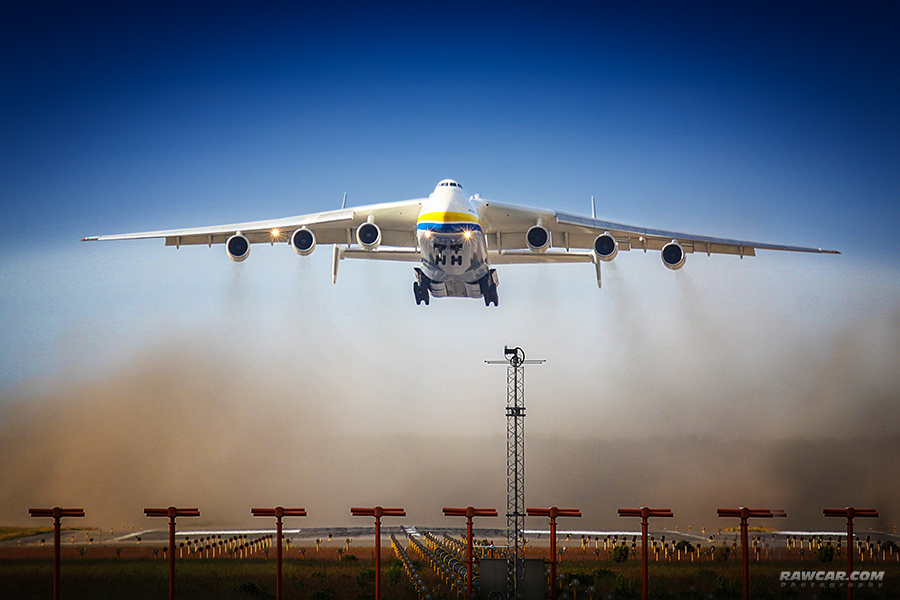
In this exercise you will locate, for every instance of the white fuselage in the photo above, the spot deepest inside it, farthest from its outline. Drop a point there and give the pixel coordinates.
(452, 243)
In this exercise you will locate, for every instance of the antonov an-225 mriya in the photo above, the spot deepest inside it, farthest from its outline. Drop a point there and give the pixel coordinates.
(456, 239)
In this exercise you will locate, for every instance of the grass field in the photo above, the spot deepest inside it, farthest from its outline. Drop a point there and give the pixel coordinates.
(148, 579)
(11, 533)
(134, 575)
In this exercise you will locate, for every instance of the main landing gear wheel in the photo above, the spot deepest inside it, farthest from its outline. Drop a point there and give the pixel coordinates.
(491, 296)
(489, 289)
(421, 293)
(421, 287)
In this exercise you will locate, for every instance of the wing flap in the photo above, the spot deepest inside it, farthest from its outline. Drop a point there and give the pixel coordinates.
(528, 257)
(381, 254)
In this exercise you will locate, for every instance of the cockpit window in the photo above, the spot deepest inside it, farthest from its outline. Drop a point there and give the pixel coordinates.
(449, 183)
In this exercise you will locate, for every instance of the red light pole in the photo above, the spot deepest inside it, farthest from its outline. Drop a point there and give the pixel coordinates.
(744, 514)
(469, 512)
(850, 513)
(57, 513)
(553, 513)
(378, 512)
(172, 512)
(278, 512)
(644, 513)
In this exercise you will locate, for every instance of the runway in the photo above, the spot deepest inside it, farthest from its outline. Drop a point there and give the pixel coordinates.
(335, 537)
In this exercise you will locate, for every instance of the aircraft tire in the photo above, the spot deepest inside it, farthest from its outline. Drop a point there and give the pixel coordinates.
(491, 296)
(421, 293)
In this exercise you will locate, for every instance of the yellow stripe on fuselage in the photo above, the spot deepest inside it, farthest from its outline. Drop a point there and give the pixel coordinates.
(448, 217)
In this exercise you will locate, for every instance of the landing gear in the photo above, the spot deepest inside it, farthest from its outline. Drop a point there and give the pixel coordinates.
(420, 288)
(421, 293)
(488, 285)
(491, 297)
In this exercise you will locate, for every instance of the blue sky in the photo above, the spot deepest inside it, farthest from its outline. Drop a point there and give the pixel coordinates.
(141, 114)
(748, 120)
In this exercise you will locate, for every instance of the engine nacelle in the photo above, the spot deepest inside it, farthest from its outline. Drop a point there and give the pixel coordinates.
(538, 238)
(606, 247)
(303, 241)
(237, 247)
(673, 255)
(368, 235)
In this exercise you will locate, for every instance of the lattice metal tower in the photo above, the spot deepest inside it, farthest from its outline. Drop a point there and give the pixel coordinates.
(515, 463)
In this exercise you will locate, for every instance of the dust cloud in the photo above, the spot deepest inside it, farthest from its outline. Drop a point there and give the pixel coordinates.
(676, 404)
(187, 424)
(184, 424)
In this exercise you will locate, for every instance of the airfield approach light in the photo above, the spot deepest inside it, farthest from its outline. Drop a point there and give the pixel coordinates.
(850, 513)
(57, 513)
(378, 512)
(743, 514)
(278, 512)
(644, 513)
(469, 512)
(172, 512)
(553, 512)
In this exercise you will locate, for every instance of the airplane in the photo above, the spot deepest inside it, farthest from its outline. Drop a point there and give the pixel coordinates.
(456, 239)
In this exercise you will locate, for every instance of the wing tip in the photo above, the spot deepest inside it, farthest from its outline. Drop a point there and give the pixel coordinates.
(92, 238)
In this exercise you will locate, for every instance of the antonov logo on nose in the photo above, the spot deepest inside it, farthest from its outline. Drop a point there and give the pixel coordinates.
(441, 259)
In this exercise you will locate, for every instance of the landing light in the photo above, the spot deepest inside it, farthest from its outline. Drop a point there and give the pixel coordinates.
(467, 233)
(276, 233)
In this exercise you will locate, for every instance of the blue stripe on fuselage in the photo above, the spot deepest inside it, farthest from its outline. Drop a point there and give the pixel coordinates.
(447, 227)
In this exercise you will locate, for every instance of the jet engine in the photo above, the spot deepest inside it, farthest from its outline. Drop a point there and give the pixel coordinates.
(606, 247)
(538, 238)
(673, 255)
(303, 241)
(237, 247)
(368, 235)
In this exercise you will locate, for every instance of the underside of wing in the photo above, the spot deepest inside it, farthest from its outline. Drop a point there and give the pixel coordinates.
(585, 229)
(510, 229)
(395, 222)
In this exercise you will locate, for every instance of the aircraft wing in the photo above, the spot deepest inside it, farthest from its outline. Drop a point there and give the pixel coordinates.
(505, 226)
(397, 221)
